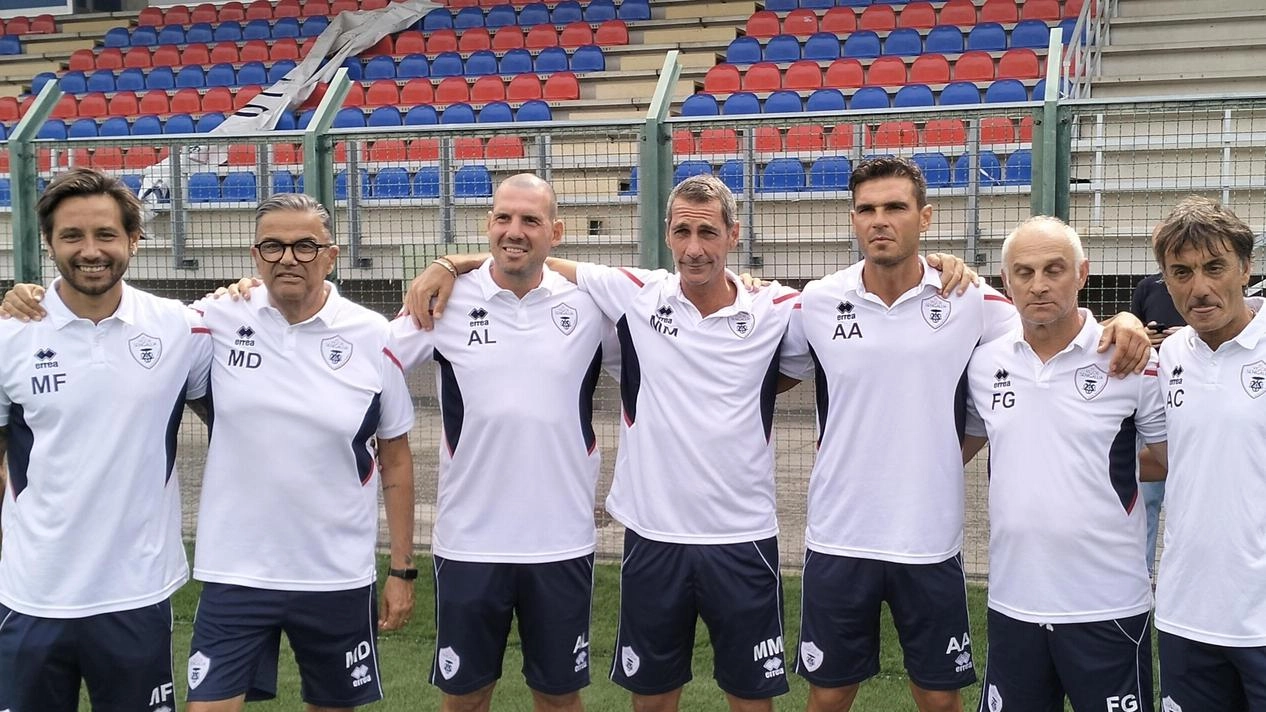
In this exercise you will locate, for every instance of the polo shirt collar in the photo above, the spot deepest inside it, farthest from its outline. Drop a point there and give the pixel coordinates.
(327, 314)
(742, 301)
(1086, 340)
(61, 315)
(853, 281)
(1248, 337)
(551, 283)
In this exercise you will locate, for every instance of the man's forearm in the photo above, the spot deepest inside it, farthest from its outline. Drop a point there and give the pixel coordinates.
(396, 461)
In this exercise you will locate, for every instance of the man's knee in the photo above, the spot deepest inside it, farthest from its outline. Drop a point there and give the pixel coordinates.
(235, 704)
(831, 699)
(666, 702)
(478, 701)
(569, 702)
(936, 700)
(740, 704)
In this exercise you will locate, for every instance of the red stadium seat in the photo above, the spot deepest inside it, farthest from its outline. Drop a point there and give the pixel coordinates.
(523, 87)
(424, 149)
(410, 42)
(575, 34)
(1004, 11)
(113, 58)
(886, 71)
(177, 15)
(943, 132)
(879, 18)
(1026, 129)
(957, 12)
(305, 44)
(123, 103)
(285, 48)
(17, 26)
(805, 138)
(472, 39)
(489, 88)
(9, 109)
(142, 156)
(257, 51)
(241, 154)
(218, 99)
(844, 74)
(917, 15)
(612, 33)
(895, 134)
(468, 147)
(452, 90)
(150, 16)
(314, 8)
(930, 69)
(1047, 10)
(205, 12)
(378, 4)
(355, 96)
(722, 79)
(224, 52)
(259, 10)
(504, 147)
(684, 142)
(339, 7)
(386, 150)
(287, 154)
(186, 101)
(232, 12)
(1019, 63)
(195, 54)
(164, 56)
(417, 91)
(974, 66)
(561, 86)
(285, 9)
(155, 102)
(1072, 8)
(94, 106)
(244, 95)
(507, 38)
(840, 20)
(997, 129)
(67, 107)
(442, 41)
(800, 22)
(107, 158)
(85, 60)
(383, 47)
(763, 24)
(385, 92)
(540, 37)
(718, 141)
(768, 139)
(761, 77)
(804, 74)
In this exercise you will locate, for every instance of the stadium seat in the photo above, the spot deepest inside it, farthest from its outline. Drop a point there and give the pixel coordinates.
(480, 63)
(413, 66)
(251, 73)
(67, 107)
(987, 36)
(862, 44)
(768, 139)
(516, 61)
(305, 118)
(257, 51)
(341, 187)
(1019, 168)
(918, 16)
(472, 181)
(838, 21)
(828, 99)
(83, 60)
(935, 167)
(784, 48)
(379, 68)
(561, 86)
(257, 30)
(575, 34)
(496, 112)
(944, 39)
(723, 140)
(107, 158)
(500, 16)
(140, 58)
(997, 129)
(467, 18)
(473, 40)
(551, 59)
(844, 74)
(279, 70)
(223, 32)
(523, 87)
(337, 7)
(880, 18)
(200, 33)
(420, 115)
(313, 8)
(913, 95)
(426, 182)
(384, 116)
(820, 47)
(540, 37)
(869, 97)
(144, 37)
(989, 173)
(82, 128)
(974, 66)
(634, 10)
(824, 4)
(904, 42)
(805, 137)
(386, 150)
(101, 80)
(10, 110)
(1030, 33)
(762, 77)
(488, 88)
(683, 142)
(691, 167)
(219, 75)
(831, 172)
(117, 37)
(459, 113)
(287, 8)
(232, 11)
(72, 83)
(741, 103)
(217, 99)
(411, 42)
(208, 122)
(802, 75)
(1004, 11)
(52, 128)
(723, 78)
(895, 134)
(245, 96)
(930, 69)
(799, 22)
(152, 16)
(599, 11)
(1006, 90)
(118, 126)
(1040, 10)
(1019, 64)
(533, 111)
(943, 132)
(699, 105)
(784, 101)
(141, 157)
(259, 10)
(312, 26)
(731, 173)
(961, 13)
(588, 58)
(203, 187)
(349, 118)
(240, 187)
(393, 182)
(438, 19)
(171, 35)
(887, 71)
(959, 93)
(447, 64)
(193, 77)
(743, 50)
(468, 147)
(612, 33)
(160, 78)
(782, 175)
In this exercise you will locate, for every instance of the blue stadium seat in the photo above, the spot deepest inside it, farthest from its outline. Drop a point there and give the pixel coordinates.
(903, 42)
(1006, 90)
(203, 187)
(117, 37)
(913, 95)
(426, 183)
(534, 14)
(565, 12)
(782, 175)
(151, 126)
(960, 93)
(691, 167)
(447, 64)
(73, 83)
(226, 31)
(830, 173)
(743, 50)
(340, 184)
(249, 73)
(468, 17)
(413, 66)
(171, 34)
(551, 59)
(304, 118)
(1030, 33)
(240, 186)
(516, 61)
(208, 122)
(117, 126)
(731, 173)
(175, 124)
(438, 19)
(349, 118)
(935, 167)
(987, 36)
(219, 75)
(1039, 89)
(784, 101)
(385, 116)
(588, 58)
(990, 169)
(199, 33)
(133, 182)
(393, 182)
(533, 110)
(39, 80)
(869, 98)
(862, 44)
(782, 48)
(632, 10)
(421, 115)
(257, 30)
(159, 78)
(497, 112)
(192, 76)
(286, 27)
(52, 128)
(825, 100)
(312, 26)
(4, 132)
(286, 122)
(780, 5)
(6, 192)
(283, 182)
(379, 68)
(741, 103)
(10, 44)
(472, 181)
(481, 62)
(278, 70)
(101, 80)
(822, 47)
(1019, 168)
(130, 79)
(599, 11)
(1068, 26)
(700, 105)
(459, 113)
(500, 16)
(144, 36)
(82, 128)
(355, 70)
(819, 4)
(944, 39)
(632, 189)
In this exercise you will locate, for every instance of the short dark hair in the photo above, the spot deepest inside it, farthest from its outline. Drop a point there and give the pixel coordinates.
(1204, 224)
(702, 189)
(82, 182)
(890, 167)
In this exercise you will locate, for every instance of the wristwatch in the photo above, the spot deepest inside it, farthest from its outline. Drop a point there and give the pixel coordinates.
(406, 574)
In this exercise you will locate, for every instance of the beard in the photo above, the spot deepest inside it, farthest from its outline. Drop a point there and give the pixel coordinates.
(91, 284)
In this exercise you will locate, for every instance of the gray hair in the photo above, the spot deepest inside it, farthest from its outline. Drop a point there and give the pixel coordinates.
(1050, 225)
(705, 188)
(299, 202)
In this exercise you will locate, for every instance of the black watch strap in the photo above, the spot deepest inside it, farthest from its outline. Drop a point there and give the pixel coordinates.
(406, 574)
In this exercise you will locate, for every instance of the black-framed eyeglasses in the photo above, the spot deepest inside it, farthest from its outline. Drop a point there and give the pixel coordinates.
(303, 250)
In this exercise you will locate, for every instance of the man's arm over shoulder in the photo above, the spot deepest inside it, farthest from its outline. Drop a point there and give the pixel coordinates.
(611, 288)
(999, 316)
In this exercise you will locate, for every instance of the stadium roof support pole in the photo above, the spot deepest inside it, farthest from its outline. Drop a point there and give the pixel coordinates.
(655, 168)
(25, 191)
(318, 156)
(1052, 141)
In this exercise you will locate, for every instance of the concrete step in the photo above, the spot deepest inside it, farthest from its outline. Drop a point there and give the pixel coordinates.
(1196, 57)
(1183, 85)
(1160, 8)
(1225, 26)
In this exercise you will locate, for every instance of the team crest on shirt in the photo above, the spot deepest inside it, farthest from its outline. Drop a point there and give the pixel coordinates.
(336, 351)
(1090, 380)
(741, 324)
(146, 349)
(449, 663)
(1253, 378)
(936, 311)
(564, 318)
(199, 666)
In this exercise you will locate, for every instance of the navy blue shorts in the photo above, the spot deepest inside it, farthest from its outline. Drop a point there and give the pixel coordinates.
(1104, 665)
(839, 620)
(1198, 677)
(665, 588)
(123, 658)
(474, 604)
(237, 638)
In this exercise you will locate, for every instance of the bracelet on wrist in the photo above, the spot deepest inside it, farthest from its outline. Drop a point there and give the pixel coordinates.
(446, 264)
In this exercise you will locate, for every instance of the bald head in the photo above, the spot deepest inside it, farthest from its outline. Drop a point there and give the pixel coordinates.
(529, 182)
(1044, 229)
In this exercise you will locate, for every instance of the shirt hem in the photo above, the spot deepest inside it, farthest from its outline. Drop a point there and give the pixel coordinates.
(890, 557)
(1068, 618)
(96, 609)
(511, 558)
(284, 585)
(1208, 638)
(687, 538)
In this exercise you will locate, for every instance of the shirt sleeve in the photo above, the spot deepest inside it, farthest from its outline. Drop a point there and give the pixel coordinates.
(794, 360)
(396, 406)
(199, 356)
(1149, 417)
(410, 345)
(613, 288)
(1000, 315)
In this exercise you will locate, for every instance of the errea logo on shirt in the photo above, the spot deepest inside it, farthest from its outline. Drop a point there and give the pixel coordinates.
(245, 336)
(44, 358)
(662, 321)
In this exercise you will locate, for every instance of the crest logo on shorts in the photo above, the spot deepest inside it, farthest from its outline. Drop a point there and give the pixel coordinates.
(564, 318)
(741, 324)
(146, 350)
(449, 663)
(936, 311)
(811, 655)
(1168, 705)
(1090, 380)
(995, 699)
(336, 351)
(629, 661)
(1253, 378)
(199, 666)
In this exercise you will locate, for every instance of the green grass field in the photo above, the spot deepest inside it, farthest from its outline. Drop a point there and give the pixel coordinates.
(405, 658)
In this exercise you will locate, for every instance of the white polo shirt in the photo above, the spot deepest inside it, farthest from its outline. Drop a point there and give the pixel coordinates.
(887, 483)
(91, 513)
(1211, 586)
(696, 462)
(1066, 539)
(290, 495)
(516, 378)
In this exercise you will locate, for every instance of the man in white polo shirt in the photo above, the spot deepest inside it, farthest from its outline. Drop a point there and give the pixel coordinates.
(1069, 592)
(1211, 590)
(90, 399)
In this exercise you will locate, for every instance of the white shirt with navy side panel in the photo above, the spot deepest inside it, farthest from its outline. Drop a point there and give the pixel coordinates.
(696, 460)
(519, 459)
(1211, 585)
(887, 482)
(290, 495)
(1067, 529)
(91, 513)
